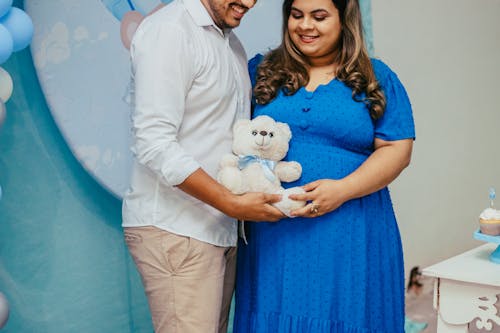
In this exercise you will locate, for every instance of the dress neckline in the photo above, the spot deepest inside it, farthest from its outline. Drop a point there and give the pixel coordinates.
(320, 86)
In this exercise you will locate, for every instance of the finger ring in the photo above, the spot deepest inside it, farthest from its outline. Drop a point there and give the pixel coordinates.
(314, 208)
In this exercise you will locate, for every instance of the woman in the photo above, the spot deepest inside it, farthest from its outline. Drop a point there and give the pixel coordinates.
(414, 285)
(337, 266)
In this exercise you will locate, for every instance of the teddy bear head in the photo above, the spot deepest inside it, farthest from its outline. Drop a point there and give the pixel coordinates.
(262, 137)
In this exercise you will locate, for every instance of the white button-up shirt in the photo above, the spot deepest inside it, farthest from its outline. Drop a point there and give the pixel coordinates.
(189, 84)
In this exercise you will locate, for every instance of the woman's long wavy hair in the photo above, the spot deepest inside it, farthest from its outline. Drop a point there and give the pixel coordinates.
(286, 67)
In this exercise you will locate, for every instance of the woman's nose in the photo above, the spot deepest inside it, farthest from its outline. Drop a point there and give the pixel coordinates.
(306, 23)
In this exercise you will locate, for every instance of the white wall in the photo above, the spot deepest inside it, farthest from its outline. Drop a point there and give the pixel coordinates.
(447, 53)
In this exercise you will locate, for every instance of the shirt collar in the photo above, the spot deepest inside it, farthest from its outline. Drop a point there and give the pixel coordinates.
(201, 16)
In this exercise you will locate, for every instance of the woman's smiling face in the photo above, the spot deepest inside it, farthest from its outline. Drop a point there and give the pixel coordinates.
(315, 29)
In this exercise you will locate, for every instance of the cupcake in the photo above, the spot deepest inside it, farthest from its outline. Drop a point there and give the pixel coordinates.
(489, 222)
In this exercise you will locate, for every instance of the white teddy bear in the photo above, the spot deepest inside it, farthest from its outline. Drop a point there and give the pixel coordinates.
(259, 145)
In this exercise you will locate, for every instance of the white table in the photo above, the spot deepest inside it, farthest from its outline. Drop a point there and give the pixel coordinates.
(466, 287)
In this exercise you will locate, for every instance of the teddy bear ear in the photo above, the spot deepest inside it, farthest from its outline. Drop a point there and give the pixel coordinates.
(239, 124)
(285, 130)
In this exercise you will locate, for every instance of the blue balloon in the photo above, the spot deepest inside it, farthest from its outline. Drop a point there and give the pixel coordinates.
(6, 44)
(20, 27)
(5, 6)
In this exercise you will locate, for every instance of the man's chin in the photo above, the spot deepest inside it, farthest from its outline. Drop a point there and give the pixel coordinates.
(232, 23)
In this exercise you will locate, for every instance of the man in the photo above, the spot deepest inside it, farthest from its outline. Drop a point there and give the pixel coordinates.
(189, 85)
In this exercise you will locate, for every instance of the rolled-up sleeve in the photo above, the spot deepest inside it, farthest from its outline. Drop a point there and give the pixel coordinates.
(162, 73)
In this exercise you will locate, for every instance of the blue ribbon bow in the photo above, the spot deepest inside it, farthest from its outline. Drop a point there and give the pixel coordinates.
(267, 165)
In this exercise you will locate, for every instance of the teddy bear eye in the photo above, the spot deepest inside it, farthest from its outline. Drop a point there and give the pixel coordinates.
(254, 132)
(271, 134)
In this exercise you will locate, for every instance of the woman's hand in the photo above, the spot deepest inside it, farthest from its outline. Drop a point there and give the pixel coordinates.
(379, 170)
(324, 196)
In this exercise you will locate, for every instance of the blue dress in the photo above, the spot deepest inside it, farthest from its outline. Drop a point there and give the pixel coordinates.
(342, 272)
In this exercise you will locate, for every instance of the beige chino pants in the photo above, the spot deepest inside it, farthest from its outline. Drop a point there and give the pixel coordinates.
(188, 283)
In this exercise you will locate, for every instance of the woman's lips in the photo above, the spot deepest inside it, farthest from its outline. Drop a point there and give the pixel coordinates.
(308, 39)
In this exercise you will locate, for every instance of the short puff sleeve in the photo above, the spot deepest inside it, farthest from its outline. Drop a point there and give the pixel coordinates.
(397, 121)
(252, 67)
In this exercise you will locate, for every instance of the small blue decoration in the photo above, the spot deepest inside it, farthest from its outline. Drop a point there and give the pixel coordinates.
(492, 196)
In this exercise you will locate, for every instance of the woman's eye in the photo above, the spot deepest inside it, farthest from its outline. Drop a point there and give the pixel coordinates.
(254, 133)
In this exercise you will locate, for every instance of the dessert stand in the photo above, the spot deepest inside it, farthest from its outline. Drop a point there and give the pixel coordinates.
(495, 255)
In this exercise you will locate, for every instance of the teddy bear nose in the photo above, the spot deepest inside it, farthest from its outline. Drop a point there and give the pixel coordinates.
(263, 133)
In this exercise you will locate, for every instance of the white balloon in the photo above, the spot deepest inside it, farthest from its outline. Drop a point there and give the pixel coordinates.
(4, 310)
(6, 85)
(3, 112)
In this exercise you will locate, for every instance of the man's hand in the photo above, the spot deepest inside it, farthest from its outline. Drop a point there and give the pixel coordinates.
(248, 207)
(255, 206)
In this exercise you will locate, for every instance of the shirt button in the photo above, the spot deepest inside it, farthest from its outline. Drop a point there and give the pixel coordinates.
(304, 125)
(306, 109)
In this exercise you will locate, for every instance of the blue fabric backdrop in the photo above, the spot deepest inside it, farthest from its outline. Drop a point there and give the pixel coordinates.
(63, 264)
